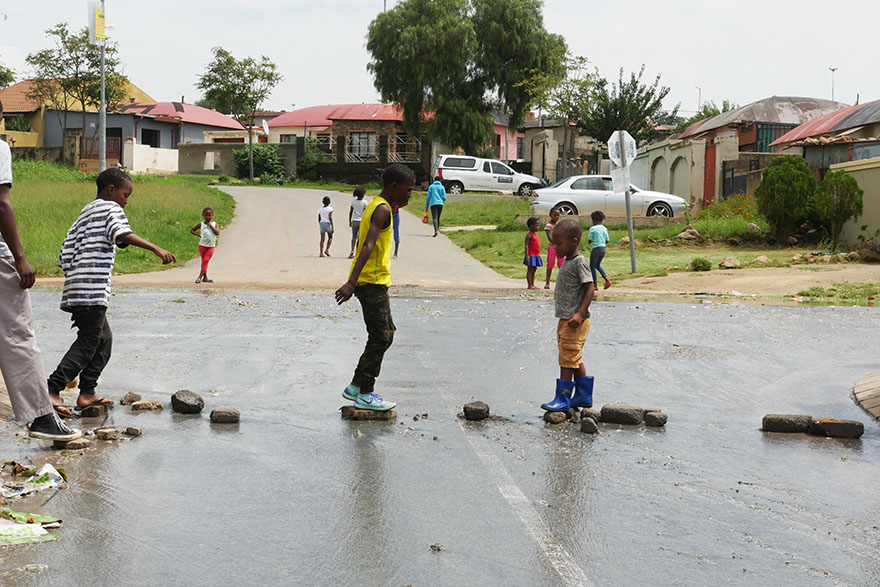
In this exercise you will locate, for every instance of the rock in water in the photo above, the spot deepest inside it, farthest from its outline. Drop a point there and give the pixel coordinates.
(146, 404)
(476, 411)
(76, 444)
(589, 426)
(187, 402)
(555, 417)
(133, 431)
(591, 413)
(107, 434)
(130, 398)
(621, 414)
(786, 423)
(225, 416)
(837, 428)
(353, 413)
(655, 419)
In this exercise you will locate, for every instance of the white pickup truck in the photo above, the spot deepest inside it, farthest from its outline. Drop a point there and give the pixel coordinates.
(460, 173)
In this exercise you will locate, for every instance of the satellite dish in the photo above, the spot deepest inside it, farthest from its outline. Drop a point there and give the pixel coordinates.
(265, 127)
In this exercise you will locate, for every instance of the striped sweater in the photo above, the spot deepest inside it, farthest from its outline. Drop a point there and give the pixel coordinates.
(88, 254)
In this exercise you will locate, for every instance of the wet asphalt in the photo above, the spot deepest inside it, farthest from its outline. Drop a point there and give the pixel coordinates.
(294, 495)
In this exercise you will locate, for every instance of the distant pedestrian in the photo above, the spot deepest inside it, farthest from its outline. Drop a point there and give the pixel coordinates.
(207, 231)
(532, 256)
(395, 220)
(598, 237)
(355, 212)
(552, 257)
(369, 279)
(87, 257)
(434, 201)
(20, 360)
(325, 225)
(574, 292)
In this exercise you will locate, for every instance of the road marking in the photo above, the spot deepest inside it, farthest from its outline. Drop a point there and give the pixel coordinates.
(559, 558)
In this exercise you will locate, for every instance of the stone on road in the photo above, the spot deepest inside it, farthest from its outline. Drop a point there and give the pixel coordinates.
(187, 402)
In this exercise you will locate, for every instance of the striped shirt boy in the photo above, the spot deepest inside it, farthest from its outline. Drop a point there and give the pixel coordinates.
(88, 254)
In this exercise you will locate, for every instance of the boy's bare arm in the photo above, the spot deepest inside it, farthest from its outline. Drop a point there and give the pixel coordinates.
(380, 218)
(9, 230)
(195, 229)
(133, 239)
(578, 317)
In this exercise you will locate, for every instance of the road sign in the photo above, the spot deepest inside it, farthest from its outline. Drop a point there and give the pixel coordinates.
(622, 153)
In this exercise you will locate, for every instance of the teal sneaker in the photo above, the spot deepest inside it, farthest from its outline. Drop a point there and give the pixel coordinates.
(372, 401)
(351, 392)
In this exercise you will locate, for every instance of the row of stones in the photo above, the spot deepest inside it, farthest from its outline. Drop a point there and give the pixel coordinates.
(609, 414)
(182, 402)
(802, 423)
(107, 433)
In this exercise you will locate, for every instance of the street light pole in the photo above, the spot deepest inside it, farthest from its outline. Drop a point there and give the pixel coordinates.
(832, 70)
(699, 98)
(102, 118)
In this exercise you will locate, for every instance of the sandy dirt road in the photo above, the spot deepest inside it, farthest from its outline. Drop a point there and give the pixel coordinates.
(273, 243)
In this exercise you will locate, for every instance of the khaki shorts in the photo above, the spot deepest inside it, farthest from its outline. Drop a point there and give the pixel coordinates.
(571, 343)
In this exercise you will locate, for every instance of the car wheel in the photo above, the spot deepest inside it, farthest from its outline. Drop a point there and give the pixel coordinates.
(660, 209)
(526, 190)
(456, 187)
(567, 209)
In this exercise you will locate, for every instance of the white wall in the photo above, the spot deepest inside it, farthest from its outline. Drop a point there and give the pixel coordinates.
(146, 159)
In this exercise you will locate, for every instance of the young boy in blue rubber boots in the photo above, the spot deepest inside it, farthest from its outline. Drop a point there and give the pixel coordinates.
(369, 279)
(574, 292)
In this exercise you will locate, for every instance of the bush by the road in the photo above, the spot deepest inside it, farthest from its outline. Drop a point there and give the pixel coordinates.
(838, 199)
(267, 161)
(785, 193)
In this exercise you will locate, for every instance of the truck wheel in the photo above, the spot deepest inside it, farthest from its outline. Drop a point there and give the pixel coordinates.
(456, 187)
(526, 190)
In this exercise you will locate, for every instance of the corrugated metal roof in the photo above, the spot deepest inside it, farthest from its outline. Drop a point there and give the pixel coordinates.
(842, 119)
(776, 109)
(189, 113)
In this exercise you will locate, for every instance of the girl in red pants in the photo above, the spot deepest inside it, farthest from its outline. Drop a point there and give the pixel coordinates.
(207, 232)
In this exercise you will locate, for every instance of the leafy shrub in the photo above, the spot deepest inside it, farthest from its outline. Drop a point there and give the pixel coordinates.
(701, 264)
(736, 206)
(510, 226)
(222, 179)
(32, 170)
(18, 123)
(267, 159)
(307, 164)
(271, 179)
(785, 193)
(838, 199)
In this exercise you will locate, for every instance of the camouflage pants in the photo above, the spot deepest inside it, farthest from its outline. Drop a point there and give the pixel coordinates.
(380, 333)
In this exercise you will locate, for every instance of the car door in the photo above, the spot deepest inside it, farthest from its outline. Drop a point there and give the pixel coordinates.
(502, 177)
(588, 195)
(615, 204)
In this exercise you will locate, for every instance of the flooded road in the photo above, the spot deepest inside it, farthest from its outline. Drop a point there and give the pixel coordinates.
(294, 495)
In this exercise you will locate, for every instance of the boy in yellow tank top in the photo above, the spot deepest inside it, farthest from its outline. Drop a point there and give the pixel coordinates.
(369, 279)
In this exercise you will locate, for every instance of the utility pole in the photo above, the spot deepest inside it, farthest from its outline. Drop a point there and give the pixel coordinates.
(98, 35)
(832, 70)
(699, 98)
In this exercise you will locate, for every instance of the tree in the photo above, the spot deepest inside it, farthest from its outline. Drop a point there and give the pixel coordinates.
(784, 195)
(69, 74)
(838, 199)
(7, 76)
(570, 99)
(626, 105)
(459, 60)
(708, 109)
(239, 87)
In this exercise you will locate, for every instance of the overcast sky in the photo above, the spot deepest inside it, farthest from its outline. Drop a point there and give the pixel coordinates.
(742, 51)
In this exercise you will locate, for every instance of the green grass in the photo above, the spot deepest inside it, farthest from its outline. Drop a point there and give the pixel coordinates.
(843, 292)
(162, 210)
(474, 212)
(503, 252)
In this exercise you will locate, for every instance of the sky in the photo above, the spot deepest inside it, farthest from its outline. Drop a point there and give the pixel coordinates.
(740, 51)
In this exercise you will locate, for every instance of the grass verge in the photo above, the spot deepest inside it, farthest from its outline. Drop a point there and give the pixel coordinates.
(843, 292)
(161, 210)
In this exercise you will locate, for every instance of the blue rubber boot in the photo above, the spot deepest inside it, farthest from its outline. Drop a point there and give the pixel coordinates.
(583, 392)
(561, 402)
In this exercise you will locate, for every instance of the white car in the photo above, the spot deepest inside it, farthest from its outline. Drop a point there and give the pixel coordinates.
(582, 194)
(460, 173)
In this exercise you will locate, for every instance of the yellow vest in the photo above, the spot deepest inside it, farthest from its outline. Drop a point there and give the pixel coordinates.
(378, 266)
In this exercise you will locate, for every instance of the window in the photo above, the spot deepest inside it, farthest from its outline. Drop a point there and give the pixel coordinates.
(150, 137)
(287, 138)
(461, 162)
(363, 143)
(609, 185)
(590, 183)
(487, 168)
(500, 169)
(519, 147)
(580, 184)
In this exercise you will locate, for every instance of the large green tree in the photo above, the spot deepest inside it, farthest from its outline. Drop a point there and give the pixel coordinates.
(450, 63)
(7, 76)
(69, 73)
(627, 104)
(708, 109)
(239, 87)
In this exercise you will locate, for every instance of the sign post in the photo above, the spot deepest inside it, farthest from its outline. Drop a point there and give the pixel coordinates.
(622, 151)
(97, 34)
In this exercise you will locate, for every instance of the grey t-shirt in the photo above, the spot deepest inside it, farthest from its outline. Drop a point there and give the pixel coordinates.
(570, 279)
(5, 178)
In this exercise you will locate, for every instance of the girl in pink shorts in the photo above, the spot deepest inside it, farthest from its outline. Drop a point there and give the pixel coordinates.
(551, 250)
